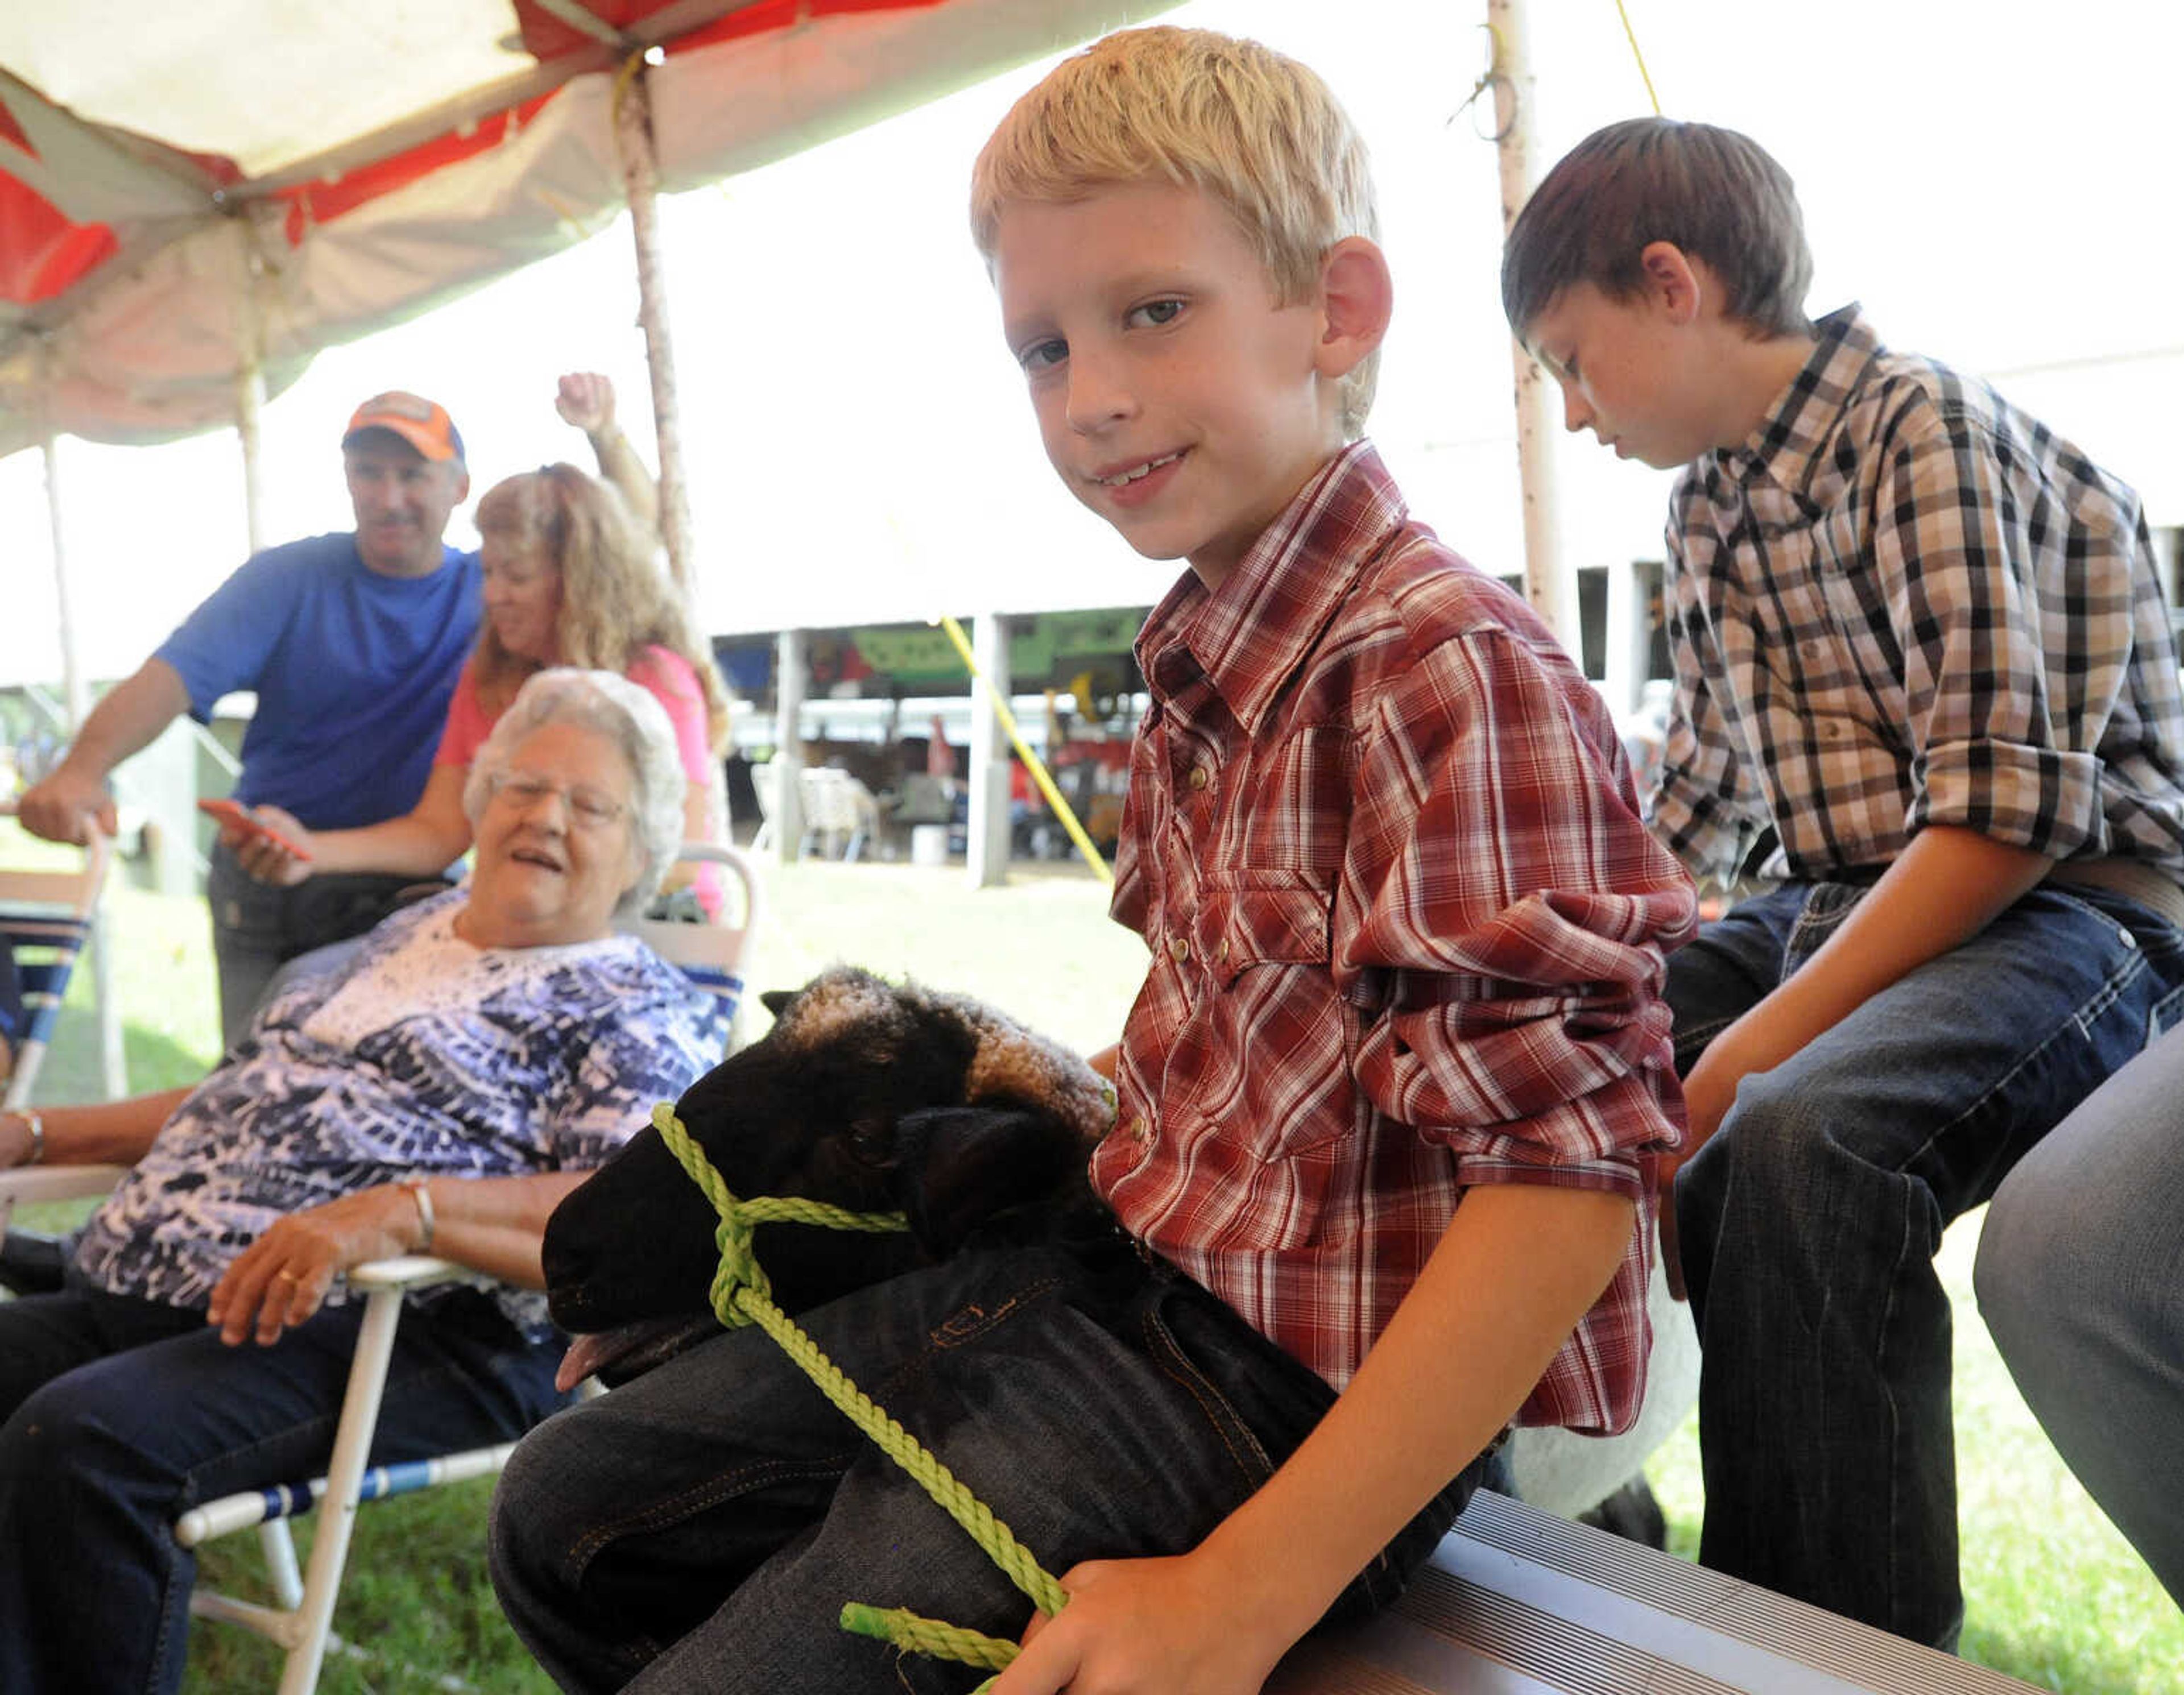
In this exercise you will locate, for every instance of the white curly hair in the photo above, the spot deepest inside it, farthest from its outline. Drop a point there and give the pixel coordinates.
(628, 716)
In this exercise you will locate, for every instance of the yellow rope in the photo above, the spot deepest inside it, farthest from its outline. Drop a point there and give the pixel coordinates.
(742, 1296)
(1638, 53)
(917, 1634)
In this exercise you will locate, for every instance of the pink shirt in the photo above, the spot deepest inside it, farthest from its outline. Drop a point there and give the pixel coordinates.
(1408, 936)
(662, 673)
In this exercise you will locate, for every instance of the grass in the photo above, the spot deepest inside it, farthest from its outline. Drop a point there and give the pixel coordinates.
(2055, 1596)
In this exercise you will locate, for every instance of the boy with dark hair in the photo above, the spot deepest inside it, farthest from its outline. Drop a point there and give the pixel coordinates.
(1919, 637)
(1387, 1099)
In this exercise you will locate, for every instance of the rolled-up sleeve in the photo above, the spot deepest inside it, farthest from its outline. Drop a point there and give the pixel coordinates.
(1511, 918)
(2003, 740)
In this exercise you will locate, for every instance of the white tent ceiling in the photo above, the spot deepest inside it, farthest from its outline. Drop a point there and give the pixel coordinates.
(175, 181)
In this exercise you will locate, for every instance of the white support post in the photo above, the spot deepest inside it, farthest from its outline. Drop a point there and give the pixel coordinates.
(787, 819)
(633, 144)
(1548, 584)
(986, 844)
(1628, 643)
(75, 691)
(113, 1062)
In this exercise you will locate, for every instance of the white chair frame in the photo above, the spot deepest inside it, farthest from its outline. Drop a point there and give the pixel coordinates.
(713, 955)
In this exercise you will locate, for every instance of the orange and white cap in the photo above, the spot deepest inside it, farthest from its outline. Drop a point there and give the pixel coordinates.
(423, 424)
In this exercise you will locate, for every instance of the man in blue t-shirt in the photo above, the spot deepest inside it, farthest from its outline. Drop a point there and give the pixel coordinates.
(351, 642)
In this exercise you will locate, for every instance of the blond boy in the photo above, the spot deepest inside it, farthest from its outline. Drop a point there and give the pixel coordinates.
(1387, 1096)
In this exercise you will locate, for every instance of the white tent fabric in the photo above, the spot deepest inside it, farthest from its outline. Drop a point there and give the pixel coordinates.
(178, 181)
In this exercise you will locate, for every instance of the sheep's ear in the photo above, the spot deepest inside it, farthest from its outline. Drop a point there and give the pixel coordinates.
(961, 1167)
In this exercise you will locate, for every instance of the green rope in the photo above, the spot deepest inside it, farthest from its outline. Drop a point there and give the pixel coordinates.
(741, 1295)
(916, 1635)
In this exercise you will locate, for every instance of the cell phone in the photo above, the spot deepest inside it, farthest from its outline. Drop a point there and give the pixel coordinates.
(228, 813)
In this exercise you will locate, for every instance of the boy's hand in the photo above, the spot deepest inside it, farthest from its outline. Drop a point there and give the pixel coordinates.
(1145, 1627)
(1709, 1092)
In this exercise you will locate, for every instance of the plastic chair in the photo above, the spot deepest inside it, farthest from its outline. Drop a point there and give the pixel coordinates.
(45, 918)
(712, 956)
(838, 806)
(765, 787)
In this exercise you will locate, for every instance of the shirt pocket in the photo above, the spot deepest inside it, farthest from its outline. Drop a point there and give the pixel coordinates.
(1290, 804)
(1264, 918)
(1287, 1036)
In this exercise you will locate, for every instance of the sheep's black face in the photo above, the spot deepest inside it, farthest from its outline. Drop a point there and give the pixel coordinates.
(856, 1097)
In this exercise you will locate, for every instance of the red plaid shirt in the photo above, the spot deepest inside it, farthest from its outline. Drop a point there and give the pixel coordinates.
(1407, 934)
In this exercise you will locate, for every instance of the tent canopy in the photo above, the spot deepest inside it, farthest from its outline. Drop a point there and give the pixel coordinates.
(181, 185)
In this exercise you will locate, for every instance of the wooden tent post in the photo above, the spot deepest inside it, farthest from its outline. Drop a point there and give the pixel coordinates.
(249, 390)
(1547, 584)
(633, 146)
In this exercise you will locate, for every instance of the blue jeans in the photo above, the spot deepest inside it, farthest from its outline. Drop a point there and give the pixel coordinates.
(1809, 1223)
(2080, 1279)
(257, 928)
(701, 1527)
(121, 1414)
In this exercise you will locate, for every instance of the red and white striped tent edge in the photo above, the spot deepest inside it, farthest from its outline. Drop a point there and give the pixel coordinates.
(179, 186)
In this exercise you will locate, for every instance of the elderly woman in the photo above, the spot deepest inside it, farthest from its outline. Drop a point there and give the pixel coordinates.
(443, 1087)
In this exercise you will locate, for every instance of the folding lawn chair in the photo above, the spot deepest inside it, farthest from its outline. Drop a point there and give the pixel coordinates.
(712, 956)
(45, 919)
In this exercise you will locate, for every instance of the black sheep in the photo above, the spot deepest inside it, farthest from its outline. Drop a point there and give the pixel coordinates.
(873, 1096)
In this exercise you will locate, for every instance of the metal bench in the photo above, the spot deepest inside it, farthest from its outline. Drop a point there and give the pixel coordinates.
(1518, 1602)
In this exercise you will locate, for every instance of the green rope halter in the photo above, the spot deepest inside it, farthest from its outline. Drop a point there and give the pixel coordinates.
(741, 1295)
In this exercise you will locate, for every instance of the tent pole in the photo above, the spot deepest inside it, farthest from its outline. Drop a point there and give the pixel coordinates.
(633, 146)
(1547, 584)
(791, 666)
(250, 391)
(112, 1064)
(987, 831)
(74, 689)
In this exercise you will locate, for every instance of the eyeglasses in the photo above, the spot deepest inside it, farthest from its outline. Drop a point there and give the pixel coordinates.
(589, 808)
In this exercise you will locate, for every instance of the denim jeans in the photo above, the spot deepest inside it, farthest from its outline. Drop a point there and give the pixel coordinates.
(701, 1527)
(1809, 1223)
(121, 1414)
(257, 928)
(2080, 1279)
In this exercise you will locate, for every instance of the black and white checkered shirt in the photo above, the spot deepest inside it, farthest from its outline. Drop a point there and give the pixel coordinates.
(1905, 603)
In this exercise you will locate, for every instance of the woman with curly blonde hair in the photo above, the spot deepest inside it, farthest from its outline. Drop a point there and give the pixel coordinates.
(570, 579)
